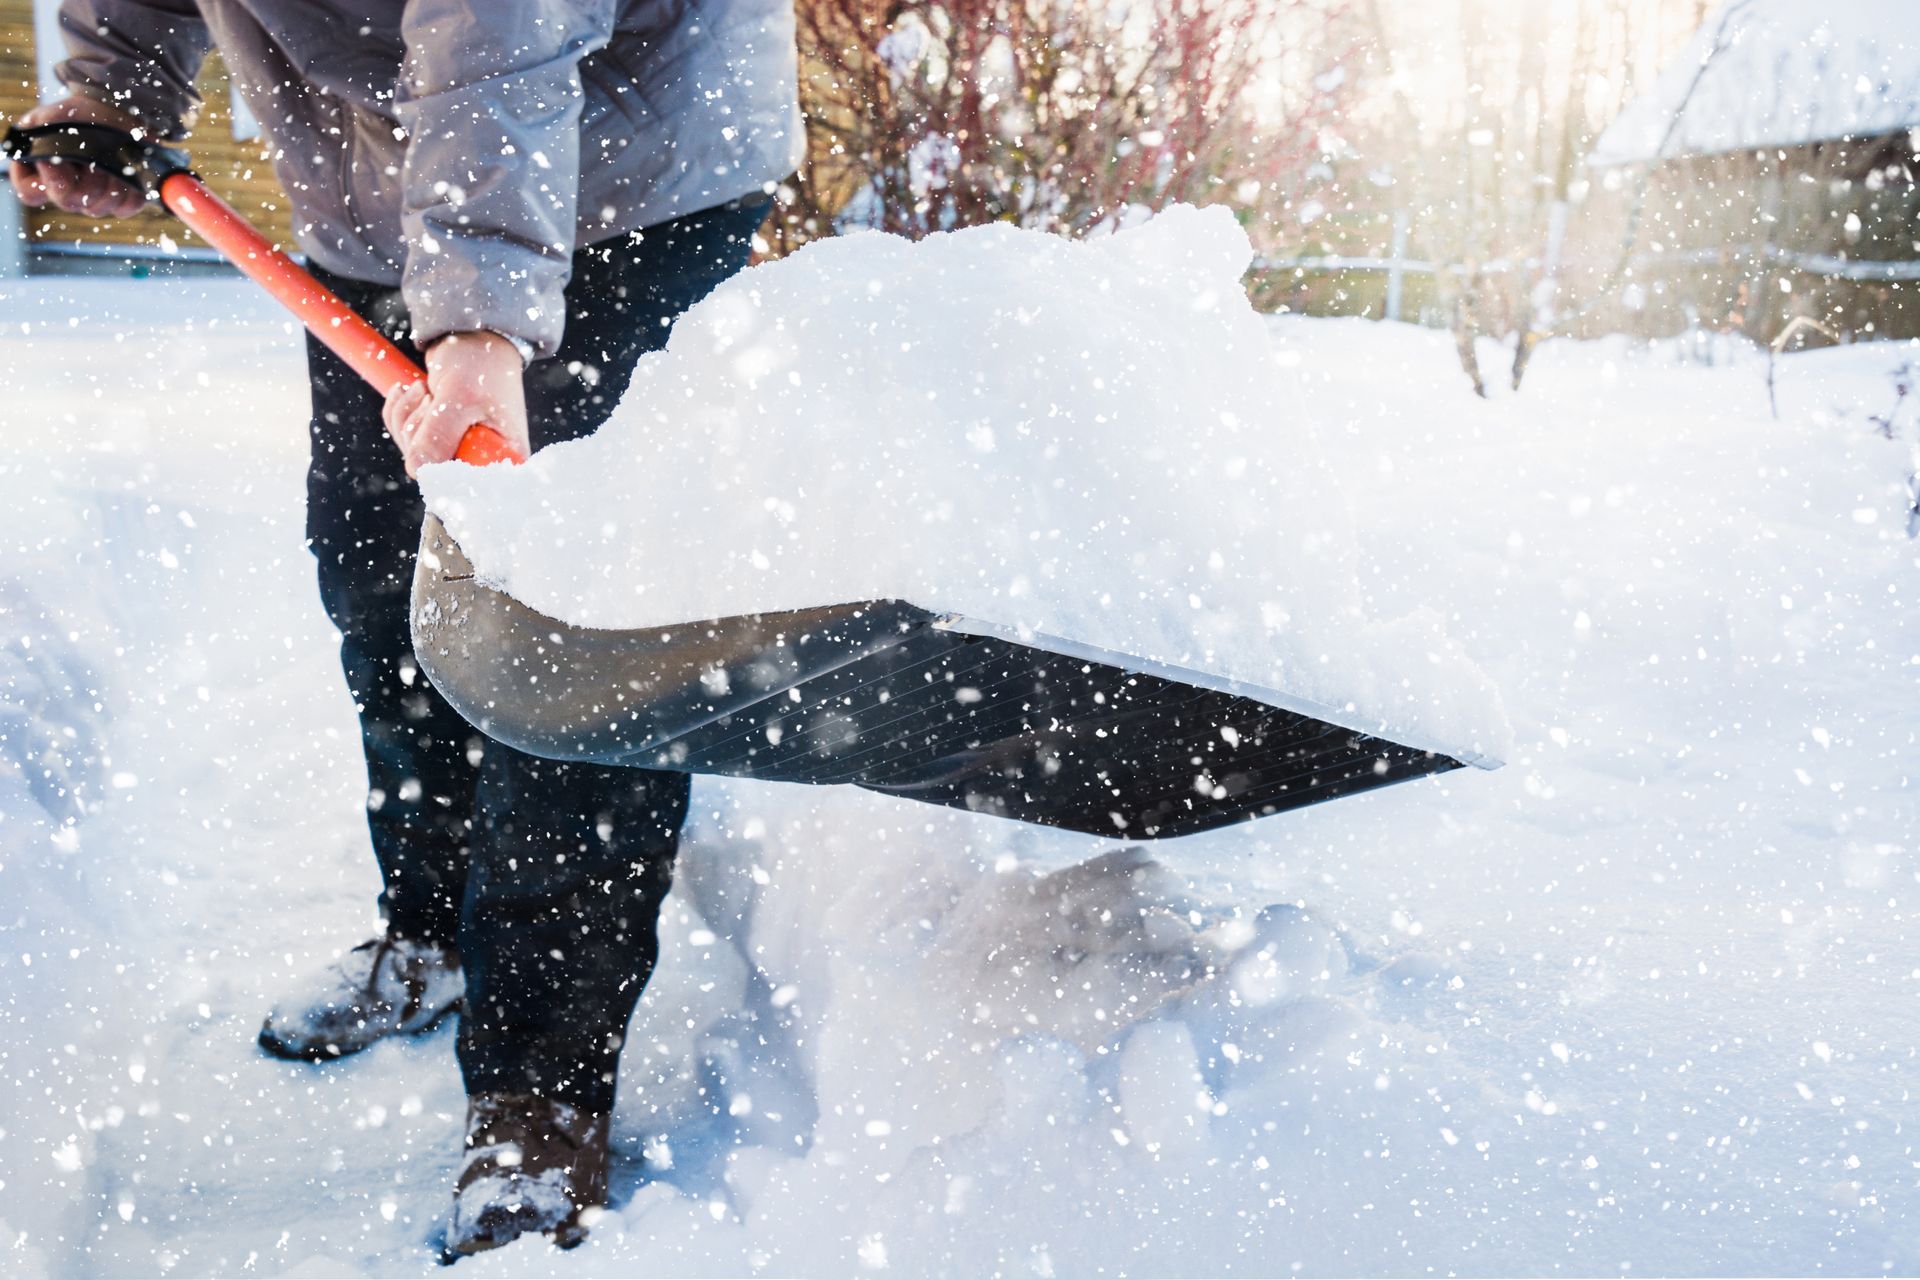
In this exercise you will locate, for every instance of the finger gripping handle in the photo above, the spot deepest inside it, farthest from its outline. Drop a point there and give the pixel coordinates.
(482, 446)
(113, 151)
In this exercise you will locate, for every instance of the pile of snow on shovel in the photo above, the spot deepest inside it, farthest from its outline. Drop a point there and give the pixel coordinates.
(1082, 439)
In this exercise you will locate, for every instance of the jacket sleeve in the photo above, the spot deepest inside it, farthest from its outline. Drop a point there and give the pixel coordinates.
(490, 99)
(138, 55)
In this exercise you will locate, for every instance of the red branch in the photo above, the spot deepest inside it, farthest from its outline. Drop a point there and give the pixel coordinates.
(1054, 113)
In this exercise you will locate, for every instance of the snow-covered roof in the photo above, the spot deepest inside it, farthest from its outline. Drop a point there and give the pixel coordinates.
(1778, 73)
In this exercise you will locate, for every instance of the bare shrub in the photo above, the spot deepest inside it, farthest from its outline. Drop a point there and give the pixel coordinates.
(1054, 114)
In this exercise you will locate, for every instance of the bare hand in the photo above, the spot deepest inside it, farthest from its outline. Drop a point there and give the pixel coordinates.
(76, 188)
(472, 379)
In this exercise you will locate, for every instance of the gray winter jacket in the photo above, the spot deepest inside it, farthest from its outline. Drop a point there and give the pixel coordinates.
(465, 148)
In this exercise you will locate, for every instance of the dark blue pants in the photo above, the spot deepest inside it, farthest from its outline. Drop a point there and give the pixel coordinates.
(547, 875)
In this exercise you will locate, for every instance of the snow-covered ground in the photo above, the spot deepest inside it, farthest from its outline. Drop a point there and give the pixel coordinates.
(1645, 1001)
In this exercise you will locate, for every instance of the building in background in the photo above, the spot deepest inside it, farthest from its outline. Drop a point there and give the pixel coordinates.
(226, 148)
(1768, 173)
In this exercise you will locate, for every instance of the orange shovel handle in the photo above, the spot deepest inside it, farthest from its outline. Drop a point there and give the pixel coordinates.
(365, 350)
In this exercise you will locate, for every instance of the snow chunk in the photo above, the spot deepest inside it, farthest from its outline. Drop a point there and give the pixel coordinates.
(1090, 441)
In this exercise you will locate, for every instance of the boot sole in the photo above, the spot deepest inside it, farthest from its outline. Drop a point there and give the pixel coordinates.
(274, 1047)
(567, 1235)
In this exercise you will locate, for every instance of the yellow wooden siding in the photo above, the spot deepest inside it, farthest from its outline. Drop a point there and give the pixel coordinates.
(237, 171)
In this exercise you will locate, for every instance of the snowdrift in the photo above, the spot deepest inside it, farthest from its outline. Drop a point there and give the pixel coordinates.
(1081, 440)
(1640, 1003)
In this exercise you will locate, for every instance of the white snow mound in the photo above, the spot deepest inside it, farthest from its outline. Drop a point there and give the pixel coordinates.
(1086, 440)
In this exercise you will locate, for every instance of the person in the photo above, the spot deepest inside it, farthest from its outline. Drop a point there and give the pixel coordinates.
(524, 196)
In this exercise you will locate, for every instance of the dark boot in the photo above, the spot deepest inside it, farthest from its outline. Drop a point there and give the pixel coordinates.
(385, 986)
(532, 1164)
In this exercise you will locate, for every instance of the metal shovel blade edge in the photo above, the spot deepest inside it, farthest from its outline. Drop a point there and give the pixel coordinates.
(888, 696)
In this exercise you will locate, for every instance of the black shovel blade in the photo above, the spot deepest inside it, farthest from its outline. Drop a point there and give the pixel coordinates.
(891, 697)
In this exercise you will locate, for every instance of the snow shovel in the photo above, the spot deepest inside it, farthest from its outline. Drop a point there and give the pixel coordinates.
(882, 694)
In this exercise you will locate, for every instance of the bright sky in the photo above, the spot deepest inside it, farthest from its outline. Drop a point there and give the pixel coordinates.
(1633, 39)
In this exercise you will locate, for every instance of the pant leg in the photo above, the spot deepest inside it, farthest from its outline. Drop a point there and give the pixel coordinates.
(570, 860)
(363, 527)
